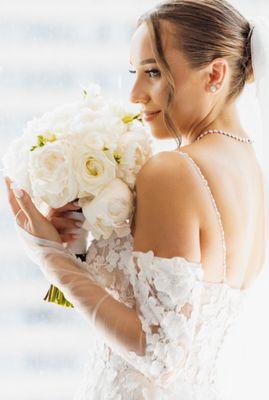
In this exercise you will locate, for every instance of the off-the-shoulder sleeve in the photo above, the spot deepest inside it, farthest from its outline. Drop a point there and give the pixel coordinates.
(167, 293)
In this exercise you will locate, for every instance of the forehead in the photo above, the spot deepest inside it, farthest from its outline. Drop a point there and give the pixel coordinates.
(141, 46)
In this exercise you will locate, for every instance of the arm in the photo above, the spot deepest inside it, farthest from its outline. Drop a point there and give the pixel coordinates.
(156, 336)
(105, 264)
(117, 322)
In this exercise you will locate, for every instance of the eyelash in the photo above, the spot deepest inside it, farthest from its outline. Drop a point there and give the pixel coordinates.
(156, 72)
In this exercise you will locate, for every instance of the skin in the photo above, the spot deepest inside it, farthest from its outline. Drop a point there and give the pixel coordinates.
(196, 109)
(173, 213)
(190, 218)
(55, 226)
(187, 228)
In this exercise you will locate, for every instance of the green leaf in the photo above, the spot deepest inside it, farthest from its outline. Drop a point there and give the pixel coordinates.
(42, 140)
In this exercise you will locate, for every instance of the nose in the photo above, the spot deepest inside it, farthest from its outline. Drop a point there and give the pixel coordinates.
(138, 94)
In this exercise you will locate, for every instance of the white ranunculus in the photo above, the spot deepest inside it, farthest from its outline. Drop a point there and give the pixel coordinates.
(94, 169)
(51, 174)
(109, 211)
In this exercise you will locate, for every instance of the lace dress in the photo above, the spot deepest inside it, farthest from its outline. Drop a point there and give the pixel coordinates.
(193, 319)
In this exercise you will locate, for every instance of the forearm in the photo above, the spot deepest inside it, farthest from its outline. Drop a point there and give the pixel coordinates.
(119, 324)
(167, 294)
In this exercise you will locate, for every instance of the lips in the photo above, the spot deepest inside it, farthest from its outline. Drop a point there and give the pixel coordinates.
(149, 115)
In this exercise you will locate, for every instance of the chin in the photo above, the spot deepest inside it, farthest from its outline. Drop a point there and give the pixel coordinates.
(160, 132)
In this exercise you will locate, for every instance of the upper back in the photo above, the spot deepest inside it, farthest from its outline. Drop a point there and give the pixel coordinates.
(232, 173)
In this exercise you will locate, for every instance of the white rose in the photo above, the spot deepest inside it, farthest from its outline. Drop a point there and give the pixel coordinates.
(51, 174)
(94, 169)
(109, 211)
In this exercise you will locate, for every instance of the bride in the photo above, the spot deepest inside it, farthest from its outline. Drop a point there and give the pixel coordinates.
(162, 299)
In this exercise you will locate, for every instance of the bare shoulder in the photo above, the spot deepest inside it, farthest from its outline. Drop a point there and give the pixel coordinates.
(169, 170)
(167, 217)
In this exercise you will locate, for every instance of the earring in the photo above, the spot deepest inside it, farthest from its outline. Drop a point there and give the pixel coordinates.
(213, 88)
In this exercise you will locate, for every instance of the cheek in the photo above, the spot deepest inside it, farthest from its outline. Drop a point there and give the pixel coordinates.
(188, 102)
(159, 94)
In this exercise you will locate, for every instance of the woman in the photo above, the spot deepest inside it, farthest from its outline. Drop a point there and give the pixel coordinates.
(162, 299)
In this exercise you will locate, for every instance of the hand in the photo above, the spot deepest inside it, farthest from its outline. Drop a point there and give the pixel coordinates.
(27, 215)
(65, 222)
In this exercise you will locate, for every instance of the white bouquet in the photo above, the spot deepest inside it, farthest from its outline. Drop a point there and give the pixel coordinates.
(89, 150)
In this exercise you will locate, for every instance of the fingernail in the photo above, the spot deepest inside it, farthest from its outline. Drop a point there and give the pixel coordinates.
(18, 193)
(79, 224)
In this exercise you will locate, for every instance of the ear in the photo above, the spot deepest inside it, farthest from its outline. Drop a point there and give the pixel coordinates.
(218, 71)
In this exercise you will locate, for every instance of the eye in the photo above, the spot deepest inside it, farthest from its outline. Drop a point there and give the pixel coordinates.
(153, 73)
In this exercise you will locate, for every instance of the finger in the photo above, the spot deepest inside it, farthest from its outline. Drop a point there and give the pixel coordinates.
(58, 211)
(65, 223)
(21, 219)
(78, 216)
(66, 237)
(26, 204)
(15, 207)
(69, 206)
(12, 200)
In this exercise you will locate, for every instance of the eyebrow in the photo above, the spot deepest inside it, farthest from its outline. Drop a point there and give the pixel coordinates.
(147, 61)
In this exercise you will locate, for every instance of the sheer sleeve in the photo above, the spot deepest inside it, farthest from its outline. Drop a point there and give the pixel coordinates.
(105, 263)
(167, 293)
(155, 336)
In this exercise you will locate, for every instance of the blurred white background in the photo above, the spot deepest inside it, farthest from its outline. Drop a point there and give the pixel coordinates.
(48, 49)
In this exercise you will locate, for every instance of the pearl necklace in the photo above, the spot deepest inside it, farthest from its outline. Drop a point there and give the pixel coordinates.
(241, 139)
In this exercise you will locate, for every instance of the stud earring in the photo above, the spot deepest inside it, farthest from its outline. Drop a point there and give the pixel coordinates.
(213, 88)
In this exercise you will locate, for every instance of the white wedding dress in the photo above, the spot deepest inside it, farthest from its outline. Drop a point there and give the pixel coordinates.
(194, 318)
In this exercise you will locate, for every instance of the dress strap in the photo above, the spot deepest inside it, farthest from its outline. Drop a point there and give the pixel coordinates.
(215, 208)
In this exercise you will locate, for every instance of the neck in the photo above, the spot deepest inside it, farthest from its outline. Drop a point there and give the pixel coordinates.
(227, 120)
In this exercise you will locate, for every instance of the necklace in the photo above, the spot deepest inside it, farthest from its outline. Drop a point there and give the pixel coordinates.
(241, 139)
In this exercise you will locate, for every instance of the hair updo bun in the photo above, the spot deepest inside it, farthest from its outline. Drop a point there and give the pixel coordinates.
(203, 30)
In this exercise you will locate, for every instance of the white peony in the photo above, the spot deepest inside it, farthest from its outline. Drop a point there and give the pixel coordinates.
(51, 174)
(80, 150)
(56, 122)
(92, 97)
(109, 211)
(16, 161)
(135, 149)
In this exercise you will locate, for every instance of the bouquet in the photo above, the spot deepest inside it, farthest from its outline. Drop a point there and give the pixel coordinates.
(90, 150)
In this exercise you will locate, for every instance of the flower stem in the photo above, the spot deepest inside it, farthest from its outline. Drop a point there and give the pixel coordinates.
(54, 295)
